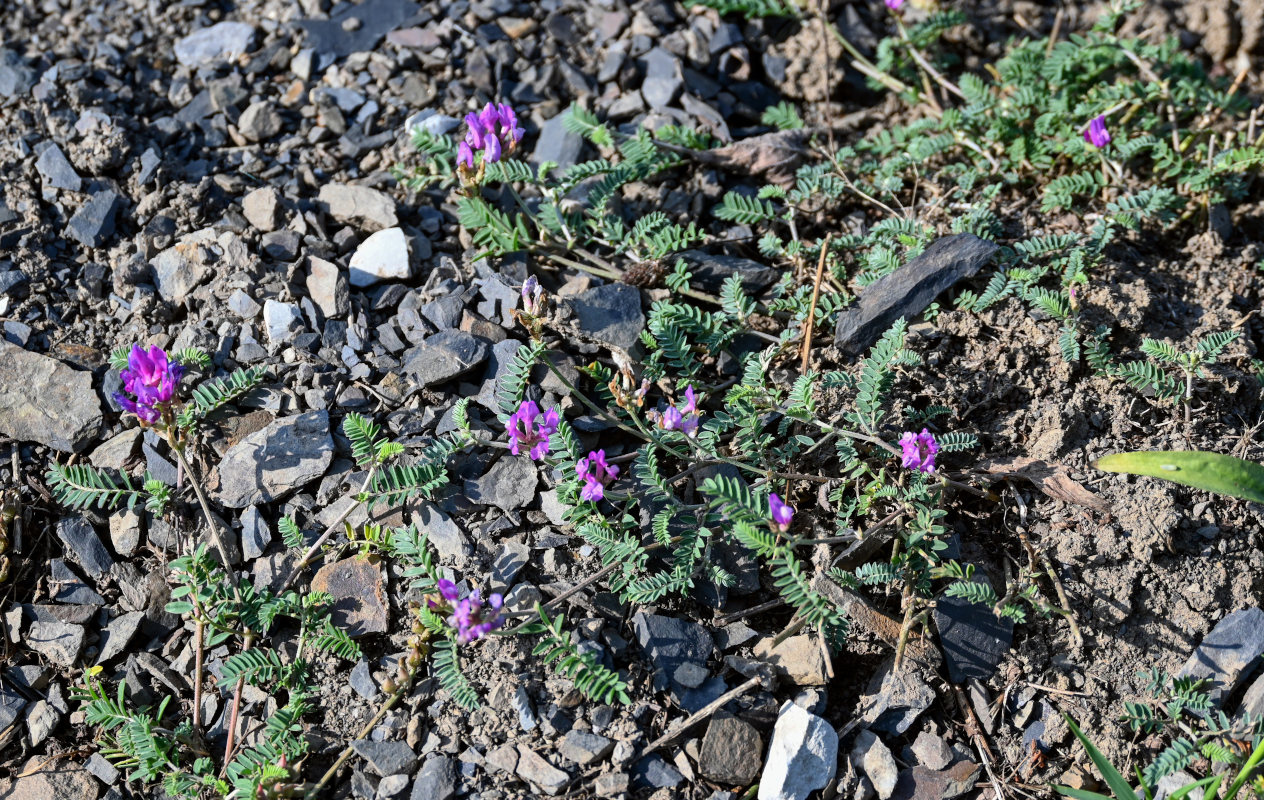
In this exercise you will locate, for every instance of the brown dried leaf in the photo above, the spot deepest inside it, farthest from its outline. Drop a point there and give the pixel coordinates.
(1051, 478)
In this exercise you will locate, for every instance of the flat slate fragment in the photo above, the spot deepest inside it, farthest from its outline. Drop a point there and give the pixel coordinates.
(1229, 653)
(910, 289)
(974, 640)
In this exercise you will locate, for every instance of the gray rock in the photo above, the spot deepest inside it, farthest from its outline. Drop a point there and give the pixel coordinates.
(270, 463)
(509, 485)
(532, 767)
(668, 642)
(93, 224)
(799, 658)
(910, 289)
(513, 556)
(177, 273)
(84, 546)
(381, 257)
(503, 758)
(386, 758)
(611, 784)
(362, 681)
(870, 756)
(255, 533)
(43, 400)
(15, 78)
(281, 321)
(973, 639)
(11, 705)
(437, 779)
(262, 208)
(556, 144)
(220, 43)
(361, 206)
(125, 531)
(59, 642)
(259, 122)
(709, 272)
(895, 699)
(392, 786)
(610, 314)
(920, 783)
(732, 751)
(527, 719)
(663, 78)
(338, 36)
(327, 286)
(690, 675)
(802, 757)
(584, 748)
(56, 170)
(444, 356)
(447, 538)
(41, 718)
(358, 588)
(1229, 653)
(67, 587)
(243, 305)
(118, 634)
(654, 772)
(932, 751)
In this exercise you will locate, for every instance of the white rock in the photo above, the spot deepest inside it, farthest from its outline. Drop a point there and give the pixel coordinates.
(430, 121)
(382, 256)
(223, 41)
(366, 208)
(802, 757)
(282, 321)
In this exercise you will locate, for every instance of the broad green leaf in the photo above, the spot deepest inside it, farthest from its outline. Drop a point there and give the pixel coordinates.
(1211, 471)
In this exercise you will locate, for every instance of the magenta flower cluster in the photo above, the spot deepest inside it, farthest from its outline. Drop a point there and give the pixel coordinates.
(680, 418)
(529, 428)
(596, 475)
(919, 450)
(532, 296)
(470, 616)
(1097, 135)
(151, 378)
(492, 131)
(894, 5)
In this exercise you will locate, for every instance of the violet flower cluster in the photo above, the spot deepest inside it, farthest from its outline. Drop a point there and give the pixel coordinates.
(919, 450)
(1097, 135)
(596, 474)
(493, 131)
(683, 418)
(151, 378)
(470, 616)
(527, 427)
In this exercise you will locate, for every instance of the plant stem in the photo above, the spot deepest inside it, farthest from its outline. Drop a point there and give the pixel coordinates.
(364, 732)
(334, 526)
(230, 744)
(197, 675)
(211, 520)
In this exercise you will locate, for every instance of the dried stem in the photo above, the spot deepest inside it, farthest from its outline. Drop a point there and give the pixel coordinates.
(199, 653)
(703, 713)
(816, 293)
(333, 527)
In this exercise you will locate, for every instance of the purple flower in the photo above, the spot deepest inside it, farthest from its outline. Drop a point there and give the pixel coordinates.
(685, 419)
(465, 155)
(492, 150)
(781, 513)
(919, 450)
(509, 123)
(596, 474)
(894, 5)
(151, 378)
(477, 133)
(472, 619)
(1097, 135)
(532, 295)
(524, 429)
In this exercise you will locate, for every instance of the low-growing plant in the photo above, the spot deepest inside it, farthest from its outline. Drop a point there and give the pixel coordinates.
(1182, 711)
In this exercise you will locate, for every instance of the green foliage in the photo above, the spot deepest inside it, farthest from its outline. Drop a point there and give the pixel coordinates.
(217, 393)
(593, 680)
(447, 668)
(81, 486)
(751, 9)
(369, 446)
(782, 116)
